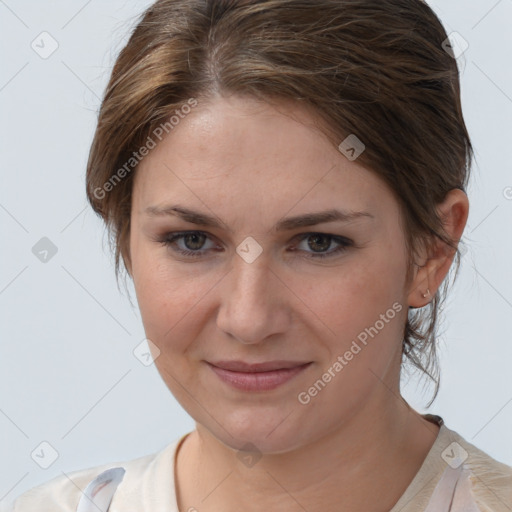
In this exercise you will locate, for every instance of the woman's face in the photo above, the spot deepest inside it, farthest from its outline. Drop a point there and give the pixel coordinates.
(260, 279)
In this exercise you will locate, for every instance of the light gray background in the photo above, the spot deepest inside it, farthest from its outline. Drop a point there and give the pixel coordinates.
(67, 372)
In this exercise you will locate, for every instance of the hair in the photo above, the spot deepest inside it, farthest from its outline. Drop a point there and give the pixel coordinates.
(375, 69)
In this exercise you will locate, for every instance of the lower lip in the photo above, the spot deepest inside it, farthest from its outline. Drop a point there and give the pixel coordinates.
(258, 381)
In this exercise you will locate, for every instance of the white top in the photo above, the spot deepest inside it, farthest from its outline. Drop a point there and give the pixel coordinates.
(454, 477)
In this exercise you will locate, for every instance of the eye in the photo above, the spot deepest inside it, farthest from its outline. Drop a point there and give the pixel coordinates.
(188, 243)
(319, 243)
(196, 244)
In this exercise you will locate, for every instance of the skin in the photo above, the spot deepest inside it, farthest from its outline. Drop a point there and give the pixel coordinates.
(357, 444)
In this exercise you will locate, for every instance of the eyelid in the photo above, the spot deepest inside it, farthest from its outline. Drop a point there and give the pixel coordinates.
(344, 243)
(170, 238)
(302, 236)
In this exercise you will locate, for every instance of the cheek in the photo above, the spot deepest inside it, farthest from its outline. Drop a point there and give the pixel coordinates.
(351, 296)
(359, 320)
(171, 299)
(357, 310)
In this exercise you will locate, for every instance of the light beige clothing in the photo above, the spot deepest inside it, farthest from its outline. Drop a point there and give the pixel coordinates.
(454, 477)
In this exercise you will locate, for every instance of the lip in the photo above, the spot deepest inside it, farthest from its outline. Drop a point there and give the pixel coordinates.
(257, 376)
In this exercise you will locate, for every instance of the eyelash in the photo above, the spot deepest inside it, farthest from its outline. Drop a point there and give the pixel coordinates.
(169, 240)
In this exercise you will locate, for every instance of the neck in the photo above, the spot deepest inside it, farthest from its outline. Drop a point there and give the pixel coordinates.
(365, 464)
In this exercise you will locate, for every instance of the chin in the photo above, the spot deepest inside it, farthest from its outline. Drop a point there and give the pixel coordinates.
(267, 431)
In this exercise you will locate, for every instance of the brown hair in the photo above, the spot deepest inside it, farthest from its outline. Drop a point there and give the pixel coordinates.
(374, 68)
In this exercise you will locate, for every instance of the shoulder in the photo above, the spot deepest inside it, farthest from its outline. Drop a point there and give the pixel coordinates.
(58, 494)
(136, 477)
(490, 480)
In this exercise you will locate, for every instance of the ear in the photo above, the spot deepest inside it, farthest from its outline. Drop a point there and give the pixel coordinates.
(437, 261)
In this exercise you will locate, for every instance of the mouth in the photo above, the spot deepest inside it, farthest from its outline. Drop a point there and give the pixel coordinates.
(257, 376)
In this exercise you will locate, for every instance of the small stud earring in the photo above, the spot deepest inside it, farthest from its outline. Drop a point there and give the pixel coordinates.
(425, 295)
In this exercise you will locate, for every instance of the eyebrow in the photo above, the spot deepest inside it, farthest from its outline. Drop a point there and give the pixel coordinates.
(287, 224)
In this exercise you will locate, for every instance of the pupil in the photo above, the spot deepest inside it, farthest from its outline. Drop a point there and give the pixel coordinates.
(191, 241)
(317, 240)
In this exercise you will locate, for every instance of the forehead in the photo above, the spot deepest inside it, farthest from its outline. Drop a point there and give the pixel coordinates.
(241, 152)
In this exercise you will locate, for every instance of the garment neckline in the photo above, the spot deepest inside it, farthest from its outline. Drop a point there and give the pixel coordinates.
(411, 488)
(179, 444)
(433, 465)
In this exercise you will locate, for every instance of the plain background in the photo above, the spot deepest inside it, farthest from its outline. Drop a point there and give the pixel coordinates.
(68, 375)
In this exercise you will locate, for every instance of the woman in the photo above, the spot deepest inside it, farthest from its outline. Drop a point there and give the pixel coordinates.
(285, 184)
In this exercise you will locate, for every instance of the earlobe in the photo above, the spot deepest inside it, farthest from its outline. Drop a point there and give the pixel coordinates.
(428, 277)
(420, 293)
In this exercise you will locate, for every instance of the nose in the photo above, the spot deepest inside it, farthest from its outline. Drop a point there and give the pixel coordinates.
(253, 302)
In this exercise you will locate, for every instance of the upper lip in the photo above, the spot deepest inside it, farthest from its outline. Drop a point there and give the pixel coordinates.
(242, 366)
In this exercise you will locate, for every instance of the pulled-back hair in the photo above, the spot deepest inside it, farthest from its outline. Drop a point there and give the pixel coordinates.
(376, 69)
